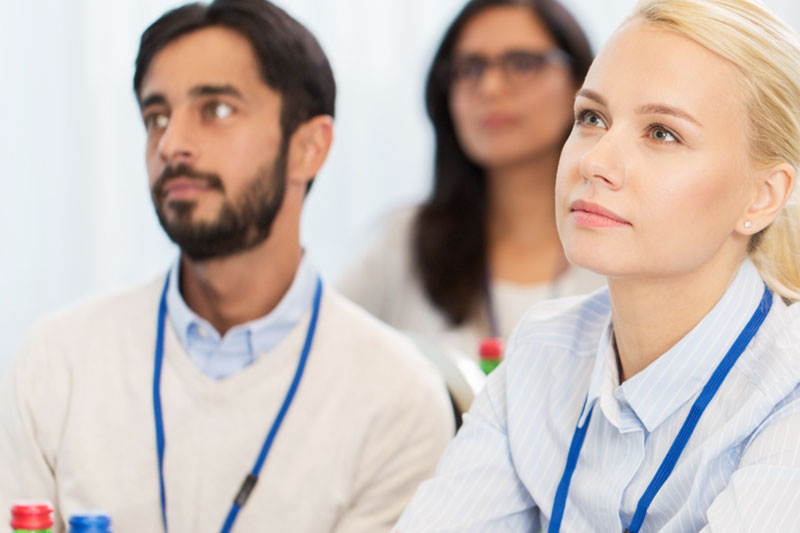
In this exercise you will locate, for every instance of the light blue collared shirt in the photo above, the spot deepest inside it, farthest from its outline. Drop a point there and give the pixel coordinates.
(219, 357)
(740, 470)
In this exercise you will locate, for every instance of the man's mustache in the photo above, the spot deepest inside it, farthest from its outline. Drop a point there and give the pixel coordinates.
(211, 180)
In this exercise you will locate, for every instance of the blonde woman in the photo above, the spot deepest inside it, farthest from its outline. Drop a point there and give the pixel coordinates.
(670, 400)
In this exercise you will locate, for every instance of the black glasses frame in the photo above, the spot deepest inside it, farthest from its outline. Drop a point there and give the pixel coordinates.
(516, 66)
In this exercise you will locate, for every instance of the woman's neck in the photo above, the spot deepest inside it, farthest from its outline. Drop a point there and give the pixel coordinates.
(523, 239)
(650, 315)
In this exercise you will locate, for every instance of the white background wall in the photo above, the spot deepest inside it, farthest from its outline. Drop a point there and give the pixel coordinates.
(76, 217)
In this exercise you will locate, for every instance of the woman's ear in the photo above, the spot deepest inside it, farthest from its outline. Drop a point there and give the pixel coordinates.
(308, 148)
(774, 189)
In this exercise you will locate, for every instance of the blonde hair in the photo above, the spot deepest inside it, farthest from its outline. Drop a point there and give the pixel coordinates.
(767, 53)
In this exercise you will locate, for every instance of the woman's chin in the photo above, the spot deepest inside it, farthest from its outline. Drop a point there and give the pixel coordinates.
(599, 263)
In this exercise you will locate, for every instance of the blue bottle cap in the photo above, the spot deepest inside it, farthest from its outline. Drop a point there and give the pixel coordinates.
(94, 522)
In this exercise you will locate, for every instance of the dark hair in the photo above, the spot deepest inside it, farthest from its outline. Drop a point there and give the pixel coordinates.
(450, 231)
(291, 60)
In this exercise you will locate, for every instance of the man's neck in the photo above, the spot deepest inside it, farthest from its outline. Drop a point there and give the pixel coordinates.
(240, 288)
(651, 315)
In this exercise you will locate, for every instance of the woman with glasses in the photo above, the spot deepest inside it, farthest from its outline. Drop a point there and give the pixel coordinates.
(669, 401)
(483, 247)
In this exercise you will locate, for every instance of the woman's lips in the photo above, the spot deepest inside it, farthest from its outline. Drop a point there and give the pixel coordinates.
(592, 215)
(494, 121)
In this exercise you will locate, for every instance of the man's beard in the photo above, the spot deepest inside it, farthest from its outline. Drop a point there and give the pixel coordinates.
(240, 225)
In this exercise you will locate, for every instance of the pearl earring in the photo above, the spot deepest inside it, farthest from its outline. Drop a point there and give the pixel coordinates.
(747, 224)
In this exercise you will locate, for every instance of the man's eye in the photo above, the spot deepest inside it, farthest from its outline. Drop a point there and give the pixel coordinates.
(218, 110)
(155, 121)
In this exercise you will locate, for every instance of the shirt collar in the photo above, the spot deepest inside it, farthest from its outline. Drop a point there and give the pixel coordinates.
(604, 378)
(676, 376)
(671, 380)
(263, 333)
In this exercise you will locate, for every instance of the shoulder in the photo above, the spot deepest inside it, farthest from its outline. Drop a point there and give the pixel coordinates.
(383, 279)
(84, 341)
(402, 219)
(369, 346)
(135, 303)
(83, 326)
(573, 322)
(774, 366)
(397, 230)
(383, 372)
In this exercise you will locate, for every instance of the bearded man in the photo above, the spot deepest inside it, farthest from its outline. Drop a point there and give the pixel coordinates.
(237, 388)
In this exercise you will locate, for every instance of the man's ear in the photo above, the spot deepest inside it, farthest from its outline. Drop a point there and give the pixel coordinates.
(308, 148)
(773, 191)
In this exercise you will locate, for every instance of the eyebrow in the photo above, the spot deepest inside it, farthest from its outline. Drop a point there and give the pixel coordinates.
(200, 90)
(591, 95)
(153, 99)
(663, 109)
(654, 109)
(215, 90)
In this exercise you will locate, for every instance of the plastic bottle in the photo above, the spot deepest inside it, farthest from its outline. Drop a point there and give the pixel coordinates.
(491, 354)
(32, 517)
(94, 522)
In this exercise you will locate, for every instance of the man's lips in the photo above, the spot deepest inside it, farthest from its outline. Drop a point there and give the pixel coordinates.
(176, 188)
(595, 216)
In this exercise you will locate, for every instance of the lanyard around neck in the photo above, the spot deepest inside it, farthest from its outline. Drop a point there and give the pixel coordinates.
(674, 452)
(251, 479)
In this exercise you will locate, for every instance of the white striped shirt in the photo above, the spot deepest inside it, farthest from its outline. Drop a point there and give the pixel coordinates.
(740, 470)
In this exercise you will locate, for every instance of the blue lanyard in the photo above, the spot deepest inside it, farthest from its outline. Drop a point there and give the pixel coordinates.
(251, 479)
(668, 464)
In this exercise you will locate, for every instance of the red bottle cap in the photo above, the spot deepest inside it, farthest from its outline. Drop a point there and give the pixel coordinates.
(31, 515)
(491, 348)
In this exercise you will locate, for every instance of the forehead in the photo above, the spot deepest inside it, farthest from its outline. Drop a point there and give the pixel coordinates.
(497, 29)
(644, 64)
(209, 56)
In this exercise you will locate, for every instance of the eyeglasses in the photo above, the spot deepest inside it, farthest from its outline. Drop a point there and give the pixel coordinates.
(517, 66)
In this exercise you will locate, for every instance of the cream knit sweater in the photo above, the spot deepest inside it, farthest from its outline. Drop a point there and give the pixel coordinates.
(76, 424)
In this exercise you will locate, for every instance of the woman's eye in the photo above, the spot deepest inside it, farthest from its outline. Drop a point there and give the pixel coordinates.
(661, 135)
(467, 69)
(218, 110)
(589, 118)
